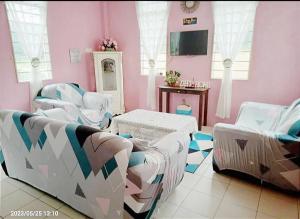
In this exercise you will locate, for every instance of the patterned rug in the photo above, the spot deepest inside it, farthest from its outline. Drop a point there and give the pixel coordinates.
(200, 147)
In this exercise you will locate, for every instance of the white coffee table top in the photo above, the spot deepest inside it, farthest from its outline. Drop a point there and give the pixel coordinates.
(151, 124)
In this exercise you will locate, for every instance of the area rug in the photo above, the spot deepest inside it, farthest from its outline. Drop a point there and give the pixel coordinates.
(200, 147)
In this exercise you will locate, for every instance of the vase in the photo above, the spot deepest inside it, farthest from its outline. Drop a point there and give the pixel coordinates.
(110, 49)
(171, 84)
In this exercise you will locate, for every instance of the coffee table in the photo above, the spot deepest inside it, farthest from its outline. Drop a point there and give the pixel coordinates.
(152, 125)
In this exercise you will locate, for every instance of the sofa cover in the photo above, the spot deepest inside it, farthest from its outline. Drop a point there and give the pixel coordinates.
(77, 164)
(264, 142)
(99, 174)
(154, 172)
(87, 108)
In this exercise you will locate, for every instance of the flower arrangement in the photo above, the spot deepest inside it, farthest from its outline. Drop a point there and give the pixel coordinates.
(172, 78)
(109, 45)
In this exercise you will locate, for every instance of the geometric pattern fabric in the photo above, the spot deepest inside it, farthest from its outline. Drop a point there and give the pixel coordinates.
(99, 174)
(67, 173)
(199, 148)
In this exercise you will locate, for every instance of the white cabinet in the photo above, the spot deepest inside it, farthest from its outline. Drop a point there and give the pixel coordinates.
(109, 77)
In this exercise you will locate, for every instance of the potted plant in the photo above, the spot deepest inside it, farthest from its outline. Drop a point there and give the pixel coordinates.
(108, 45)
(172, 77)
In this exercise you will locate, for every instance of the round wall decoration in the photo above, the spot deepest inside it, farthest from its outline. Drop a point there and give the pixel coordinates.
(189, 6)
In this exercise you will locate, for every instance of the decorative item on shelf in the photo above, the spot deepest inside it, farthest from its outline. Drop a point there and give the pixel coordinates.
(108, 45)
(189, 6)
(184, 108)
(194, 84)
(187, 83)
(172, 78)
(189, 21)
(200, 84)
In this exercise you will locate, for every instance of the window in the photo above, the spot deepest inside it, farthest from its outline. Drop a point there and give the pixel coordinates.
(161, 61)
(30, 12)
(240, 67)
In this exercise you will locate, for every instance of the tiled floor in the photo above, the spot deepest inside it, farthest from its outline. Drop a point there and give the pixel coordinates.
(204, 194)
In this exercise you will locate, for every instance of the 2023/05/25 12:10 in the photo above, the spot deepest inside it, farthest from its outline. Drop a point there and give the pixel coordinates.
(33, 213)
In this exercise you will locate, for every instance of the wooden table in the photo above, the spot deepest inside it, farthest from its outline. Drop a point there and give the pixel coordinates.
(201, 92)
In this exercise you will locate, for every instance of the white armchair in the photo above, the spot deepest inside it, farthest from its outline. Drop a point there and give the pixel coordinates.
(264, 142)
(87, 108)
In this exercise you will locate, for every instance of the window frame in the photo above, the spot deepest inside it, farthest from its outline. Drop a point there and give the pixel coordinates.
(144, 68)
(215, 76)
(26, 76)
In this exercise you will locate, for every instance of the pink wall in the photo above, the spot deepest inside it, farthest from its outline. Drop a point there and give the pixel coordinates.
(274, 70)
(70, 25)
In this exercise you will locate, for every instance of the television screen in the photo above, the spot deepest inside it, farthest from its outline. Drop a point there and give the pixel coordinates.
(188, 43)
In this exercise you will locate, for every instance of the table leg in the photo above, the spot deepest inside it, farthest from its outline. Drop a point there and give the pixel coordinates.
(160, 101)
(200, 111)
(167, 102)
(205, 108)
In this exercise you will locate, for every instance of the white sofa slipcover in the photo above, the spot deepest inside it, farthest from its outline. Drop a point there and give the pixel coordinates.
(264, 143)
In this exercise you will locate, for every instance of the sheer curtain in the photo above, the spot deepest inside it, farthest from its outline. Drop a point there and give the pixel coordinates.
(30, 30)
(153, 20)
(232, 21)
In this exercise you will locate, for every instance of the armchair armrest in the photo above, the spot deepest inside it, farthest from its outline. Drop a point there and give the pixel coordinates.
(180, 142)
(224, 127)
(174, 148)
(94, 100)
(166, 158)
(227, 135)
(239, 148)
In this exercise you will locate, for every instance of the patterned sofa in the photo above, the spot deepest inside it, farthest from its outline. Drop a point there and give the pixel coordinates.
(87, 108)
(99, 174)
(264, 143)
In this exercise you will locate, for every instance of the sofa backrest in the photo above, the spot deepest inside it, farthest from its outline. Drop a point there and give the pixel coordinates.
(288, 111)
(69, 92)
(79, 165)
(290, 123)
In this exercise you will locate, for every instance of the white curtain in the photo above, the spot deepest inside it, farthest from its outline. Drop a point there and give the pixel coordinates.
(153, 20)
(233, 20)
(30, 20)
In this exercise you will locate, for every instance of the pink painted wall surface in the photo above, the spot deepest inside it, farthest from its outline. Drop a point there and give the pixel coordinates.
(70, 25)
(123, 26)
(274, 71)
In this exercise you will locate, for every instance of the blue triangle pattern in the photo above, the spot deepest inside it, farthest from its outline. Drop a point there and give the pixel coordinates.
(205, 153)
(194, 145)
(191, 168)
(201, 136)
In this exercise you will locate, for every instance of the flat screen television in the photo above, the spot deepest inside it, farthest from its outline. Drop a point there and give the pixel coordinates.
(188, 43)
